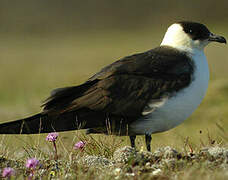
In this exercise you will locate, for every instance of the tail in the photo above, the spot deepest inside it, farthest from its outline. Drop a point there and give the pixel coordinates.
(43, 123)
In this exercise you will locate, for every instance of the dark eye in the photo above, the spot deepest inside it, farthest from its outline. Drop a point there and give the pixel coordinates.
(190, 31)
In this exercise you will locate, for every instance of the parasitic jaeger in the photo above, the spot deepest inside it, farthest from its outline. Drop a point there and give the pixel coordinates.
(141, 94)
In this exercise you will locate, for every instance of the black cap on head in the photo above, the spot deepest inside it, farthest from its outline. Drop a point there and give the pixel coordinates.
(195, 30)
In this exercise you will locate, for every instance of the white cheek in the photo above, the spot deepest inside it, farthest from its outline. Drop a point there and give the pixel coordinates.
(176, 37)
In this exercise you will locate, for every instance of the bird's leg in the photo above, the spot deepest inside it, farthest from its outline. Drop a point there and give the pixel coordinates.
(132, 139)
(148, 141)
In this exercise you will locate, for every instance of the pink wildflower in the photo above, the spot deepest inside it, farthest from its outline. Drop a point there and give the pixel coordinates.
(79, 145)
(52, 136)
(32, 163)
(7, 172)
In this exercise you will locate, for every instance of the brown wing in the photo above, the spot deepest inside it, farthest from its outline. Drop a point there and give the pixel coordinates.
(125, 87)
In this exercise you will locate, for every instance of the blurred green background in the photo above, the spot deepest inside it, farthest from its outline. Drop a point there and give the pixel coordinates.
(49, 44)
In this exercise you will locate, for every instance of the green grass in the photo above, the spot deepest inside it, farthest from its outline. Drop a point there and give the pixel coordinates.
(32, 66)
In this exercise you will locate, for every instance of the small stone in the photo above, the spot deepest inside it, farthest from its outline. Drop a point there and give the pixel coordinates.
(148, 164)
(117, 171)
(157, 172)
(130, 174)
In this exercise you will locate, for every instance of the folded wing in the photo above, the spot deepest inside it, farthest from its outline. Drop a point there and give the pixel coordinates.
(125, 87)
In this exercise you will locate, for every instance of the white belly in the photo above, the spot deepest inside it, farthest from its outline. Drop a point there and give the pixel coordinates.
(179, 107)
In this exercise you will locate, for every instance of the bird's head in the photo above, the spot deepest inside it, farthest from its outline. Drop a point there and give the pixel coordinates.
(190, 36)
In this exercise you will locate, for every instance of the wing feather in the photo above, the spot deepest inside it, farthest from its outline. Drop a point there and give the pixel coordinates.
(127, 86)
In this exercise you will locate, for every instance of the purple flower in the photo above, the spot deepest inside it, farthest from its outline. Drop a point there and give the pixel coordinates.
(7, 172)
(32, 163)
(52, 136)
(79, 145)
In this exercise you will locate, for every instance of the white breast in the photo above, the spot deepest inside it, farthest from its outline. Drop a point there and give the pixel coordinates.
(179, 107)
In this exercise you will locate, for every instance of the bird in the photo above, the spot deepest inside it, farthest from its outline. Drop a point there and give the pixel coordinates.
(141, 94)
